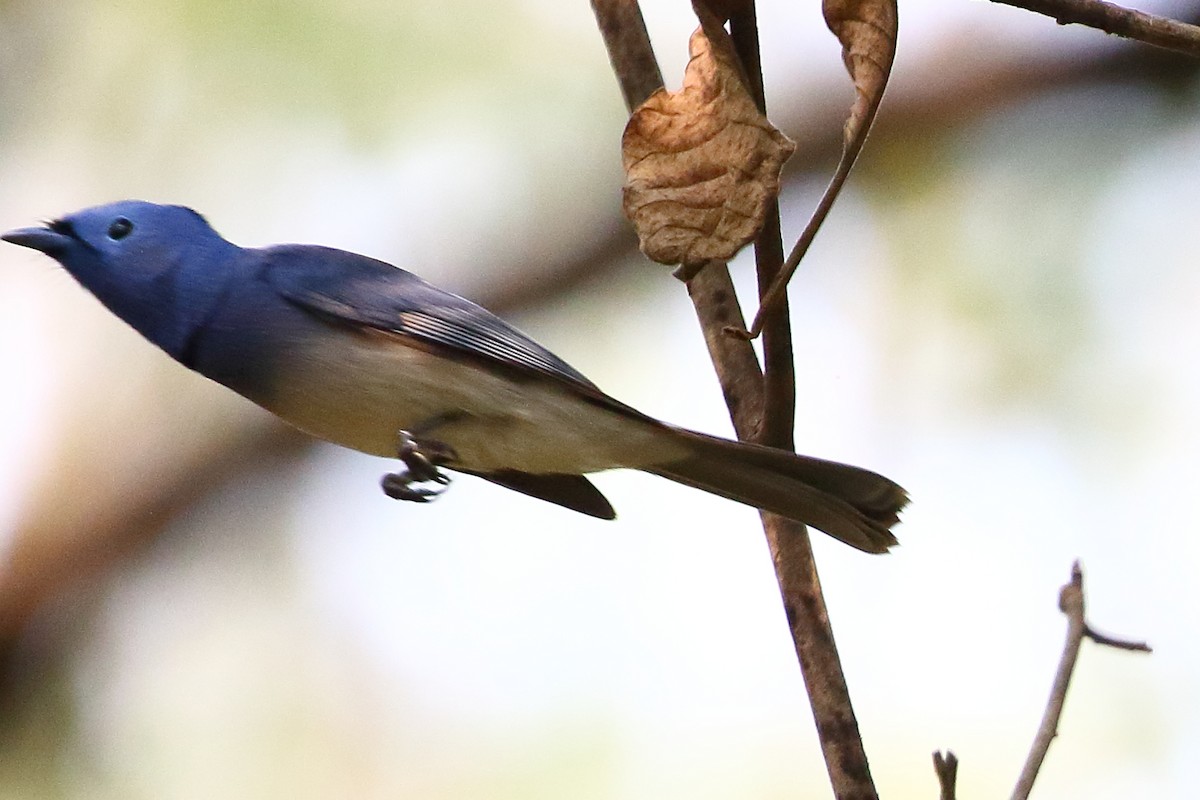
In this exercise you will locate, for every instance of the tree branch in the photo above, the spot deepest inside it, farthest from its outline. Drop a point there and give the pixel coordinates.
(712, 293)
(762, 407)
(789, 542)
(1118, 20)
(779, 373)
(633, 61)
(1070, 602)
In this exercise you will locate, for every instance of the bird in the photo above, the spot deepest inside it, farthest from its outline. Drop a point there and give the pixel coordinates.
(364, 354)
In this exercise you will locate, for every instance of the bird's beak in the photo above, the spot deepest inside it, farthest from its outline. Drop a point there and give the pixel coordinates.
(44, 239)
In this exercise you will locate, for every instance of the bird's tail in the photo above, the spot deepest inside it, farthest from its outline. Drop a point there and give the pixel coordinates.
(854, 505)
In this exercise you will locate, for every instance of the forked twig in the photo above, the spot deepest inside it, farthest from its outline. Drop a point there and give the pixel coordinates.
(1071, 603)
(946, 768)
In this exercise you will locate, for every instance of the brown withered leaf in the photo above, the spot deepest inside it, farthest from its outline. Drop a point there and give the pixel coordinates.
(867, 30)
(701, 164)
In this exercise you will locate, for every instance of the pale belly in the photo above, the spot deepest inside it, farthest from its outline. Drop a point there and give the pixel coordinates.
(360, 390)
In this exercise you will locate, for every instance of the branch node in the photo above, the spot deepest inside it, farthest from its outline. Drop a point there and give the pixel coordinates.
(1071, 603)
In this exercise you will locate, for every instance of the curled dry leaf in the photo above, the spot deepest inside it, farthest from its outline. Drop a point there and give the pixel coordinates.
(701, 164)
(867, 30)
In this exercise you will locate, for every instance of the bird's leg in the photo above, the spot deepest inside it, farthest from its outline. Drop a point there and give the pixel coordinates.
(421, 461)
(422, 457)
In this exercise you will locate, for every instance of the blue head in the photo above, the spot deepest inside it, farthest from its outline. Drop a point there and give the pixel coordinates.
(160, 268)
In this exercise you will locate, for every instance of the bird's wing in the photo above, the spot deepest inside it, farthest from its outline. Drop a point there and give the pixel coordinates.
(359, 291)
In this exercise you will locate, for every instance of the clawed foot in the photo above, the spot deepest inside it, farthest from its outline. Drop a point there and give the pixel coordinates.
(421, 462)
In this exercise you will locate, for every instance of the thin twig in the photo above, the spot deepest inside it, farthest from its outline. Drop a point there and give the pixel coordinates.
(629, 51)
(946, 769)
(791, 548)
(1070, 602)
(742, 382)
(777, 293)
(854, 132)
(1119, 644)
(1118, 20)
(779, 372)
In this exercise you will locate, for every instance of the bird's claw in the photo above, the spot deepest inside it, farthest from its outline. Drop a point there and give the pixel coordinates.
(399, 486)
(421, 462)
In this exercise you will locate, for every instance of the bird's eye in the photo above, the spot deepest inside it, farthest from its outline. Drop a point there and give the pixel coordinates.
(120, 228)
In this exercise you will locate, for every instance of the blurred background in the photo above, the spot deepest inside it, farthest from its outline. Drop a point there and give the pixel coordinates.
(1001, 314)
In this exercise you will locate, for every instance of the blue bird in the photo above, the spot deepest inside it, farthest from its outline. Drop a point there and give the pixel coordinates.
(361, 353)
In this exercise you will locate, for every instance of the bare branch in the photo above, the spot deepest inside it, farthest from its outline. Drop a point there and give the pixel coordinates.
(629, 49)
(1118, 20)
(946, 768)
(1070, 602)
(747, 394)
(779, 375)
(820, 664)
(712, 293)
(791, 548)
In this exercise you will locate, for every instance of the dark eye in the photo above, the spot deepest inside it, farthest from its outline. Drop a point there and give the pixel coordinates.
(120, 228)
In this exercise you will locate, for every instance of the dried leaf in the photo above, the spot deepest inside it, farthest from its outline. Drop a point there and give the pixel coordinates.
(701, 164)
(867, 31)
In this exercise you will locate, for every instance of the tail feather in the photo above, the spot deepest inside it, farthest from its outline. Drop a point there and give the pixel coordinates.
(854, 505)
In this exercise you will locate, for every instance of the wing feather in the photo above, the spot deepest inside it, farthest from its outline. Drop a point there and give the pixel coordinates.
(360, 291)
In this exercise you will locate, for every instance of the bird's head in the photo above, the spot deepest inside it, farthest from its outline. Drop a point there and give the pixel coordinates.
(158, 267)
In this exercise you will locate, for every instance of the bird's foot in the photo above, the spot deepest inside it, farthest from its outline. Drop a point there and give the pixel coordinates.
(421, 461)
